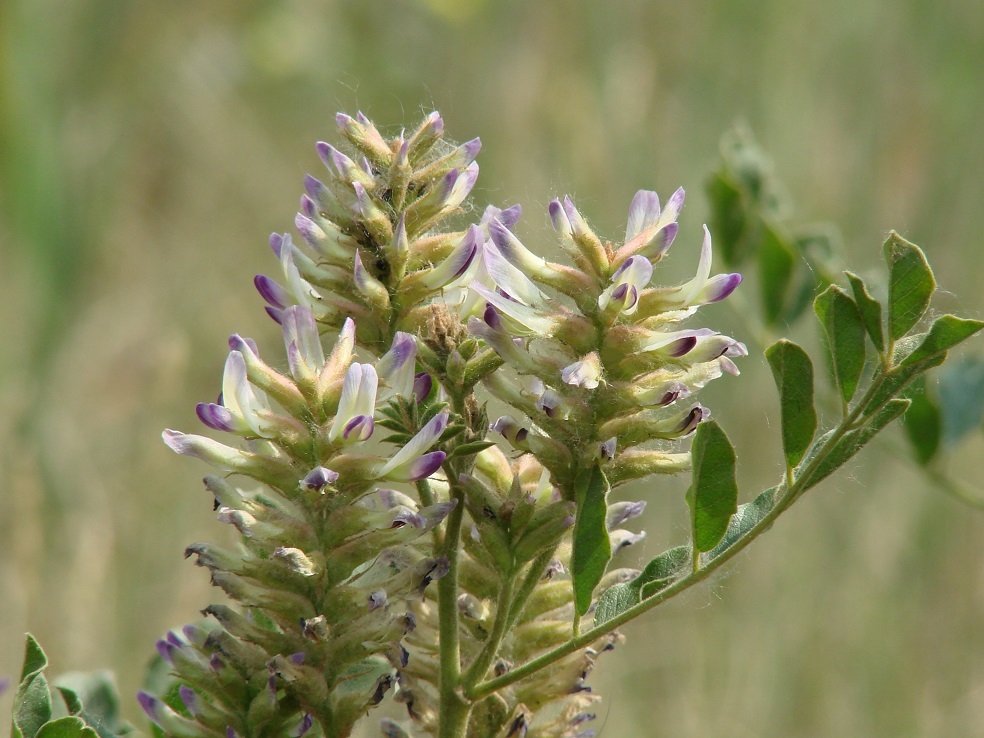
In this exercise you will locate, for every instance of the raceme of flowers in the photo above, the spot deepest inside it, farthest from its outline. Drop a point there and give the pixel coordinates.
(358, 464)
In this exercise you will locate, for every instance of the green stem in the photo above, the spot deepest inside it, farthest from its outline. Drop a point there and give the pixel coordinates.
(490, 650)
(532, 578)
(454, 709)
(790, 493)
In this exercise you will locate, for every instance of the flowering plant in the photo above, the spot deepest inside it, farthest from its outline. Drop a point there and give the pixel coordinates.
(393, 539)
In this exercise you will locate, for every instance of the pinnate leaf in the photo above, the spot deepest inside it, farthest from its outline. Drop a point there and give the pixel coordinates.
(793, 372)
(713, 494)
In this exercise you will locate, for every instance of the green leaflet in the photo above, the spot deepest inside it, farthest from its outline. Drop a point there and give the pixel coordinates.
(713, 494)
(910, 284)
(592, 546)
(844, 331)
(854, 441)
(923, 422)
(747, 517)
(659, 573)
(870, 309)
(961, 392)
(66, 727)
(32, 700)
(793, 372)
(945, 333)
(729, 221)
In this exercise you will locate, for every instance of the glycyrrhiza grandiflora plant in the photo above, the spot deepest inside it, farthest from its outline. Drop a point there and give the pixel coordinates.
(394, 540)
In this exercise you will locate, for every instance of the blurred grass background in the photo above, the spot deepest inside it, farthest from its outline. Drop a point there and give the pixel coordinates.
(147, 149)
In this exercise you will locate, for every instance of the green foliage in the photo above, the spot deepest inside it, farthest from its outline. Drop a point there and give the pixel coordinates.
(945, 333)
(844, 334)
(659, 573)
(870, 309)
(32, 700)
(592, 546)
(910, 285)
(33, 708)
(713, 494)
(793, 372)
(777, 263)
(961, 396)
(923, 422)
(744, 520)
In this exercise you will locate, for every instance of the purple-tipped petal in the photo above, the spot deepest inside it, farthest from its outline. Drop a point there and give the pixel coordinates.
(297, 658)
(319, 478)
(272, 292)
(276, 244)
(304, 726)
(166, 650)
(240, 344)
(422, 385)
(216, 664)
(377, 600)
(426, 465)
(216, 417)
(308, 208)
(719, 287)
(359, 428)
(680, 347)
(189, 698)
(150, 704)
(607, 450)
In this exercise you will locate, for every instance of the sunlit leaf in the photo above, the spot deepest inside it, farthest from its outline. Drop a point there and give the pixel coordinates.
(910, 285)
(945, 333)
(793, 372)
(853, 441)
(844, 334)
(713, 494)
(658, 574)
(747, 517)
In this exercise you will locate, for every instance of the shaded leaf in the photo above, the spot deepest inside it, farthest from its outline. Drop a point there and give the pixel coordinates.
(961, 392)
(777, 262)
(467, 449)
(923, 422)
(592, 546)
(793, 372)
(94, 699)
(870, 309)
(897, 380)
(854, 441)
(745, 518)
(658, 575)
(844, 332)
(713, 494)
(729, 221)
(910, 284)
(945, 333)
